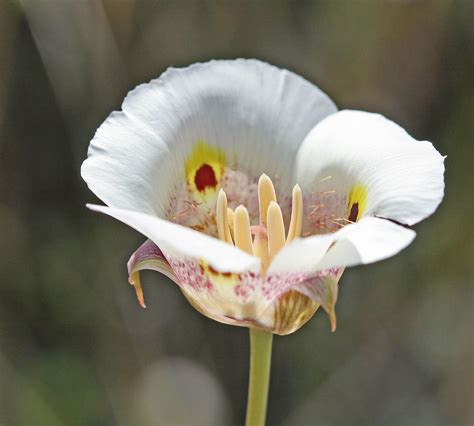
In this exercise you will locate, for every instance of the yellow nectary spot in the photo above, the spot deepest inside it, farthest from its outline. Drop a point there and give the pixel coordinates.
(357, 202)
(204, 168)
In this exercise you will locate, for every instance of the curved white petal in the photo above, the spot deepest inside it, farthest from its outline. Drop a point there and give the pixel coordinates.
(369, 240)
(355, 156)
(122, 163)
(243, 117)
(180, 242)
(252, 110)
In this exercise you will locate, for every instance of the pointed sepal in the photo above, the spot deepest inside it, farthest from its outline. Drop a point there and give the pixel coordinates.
(147, 256)
(323, 290)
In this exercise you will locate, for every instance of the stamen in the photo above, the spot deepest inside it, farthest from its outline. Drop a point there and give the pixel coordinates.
(314, 208)
(230, 220)
(296, 220)
(275, 229)
(269, 235)
(243, 239)
(266, 194)
(334, 222)
(260, 247)
(221, 218)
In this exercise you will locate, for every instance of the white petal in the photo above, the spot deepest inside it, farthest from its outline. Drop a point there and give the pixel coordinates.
(369, 240)
(178, 241)
(402, 177)
(122, 163)
(301, 255)
(254, 111)
(253, 114)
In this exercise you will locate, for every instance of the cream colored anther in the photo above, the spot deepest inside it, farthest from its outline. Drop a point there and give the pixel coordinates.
(296, 221)
(260, 247)
(222, 219)
(269, 235)
(275, 229)
(243, 239)
(266, 194)
(230, 221)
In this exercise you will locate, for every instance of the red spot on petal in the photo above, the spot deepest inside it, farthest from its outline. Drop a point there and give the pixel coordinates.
(353, 215)
(205, 178)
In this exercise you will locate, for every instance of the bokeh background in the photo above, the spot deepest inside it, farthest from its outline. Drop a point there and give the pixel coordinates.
(76, 349)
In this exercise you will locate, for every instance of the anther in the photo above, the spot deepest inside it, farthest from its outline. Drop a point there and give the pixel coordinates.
(260, 247)
(275, 229)
(296, 221)
(243, 239)
(269, 235)
(266, 194)
(221, 218)
(230, 221)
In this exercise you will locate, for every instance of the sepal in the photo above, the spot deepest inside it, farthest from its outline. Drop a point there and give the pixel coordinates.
(323, 290)
(147, 256)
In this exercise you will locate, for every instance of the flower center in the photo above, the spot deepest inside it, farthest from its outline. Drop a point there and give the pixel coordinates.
(267, 238)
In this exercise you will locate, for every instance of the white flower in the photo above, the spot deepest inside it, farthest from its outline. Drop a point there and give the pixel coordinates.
(352, 177)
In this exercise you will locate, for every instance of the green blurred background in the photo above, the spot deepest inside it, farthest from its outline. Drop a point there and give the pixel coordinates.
(76, 349)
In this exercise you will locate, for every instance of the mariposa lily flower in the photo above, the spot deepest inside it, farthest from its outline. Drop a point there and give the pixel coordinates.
(254, 191)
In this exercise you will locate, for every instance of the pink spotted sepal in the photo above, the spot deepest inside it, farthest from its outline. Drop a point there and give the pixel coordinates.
(323, 289)
(147, 256)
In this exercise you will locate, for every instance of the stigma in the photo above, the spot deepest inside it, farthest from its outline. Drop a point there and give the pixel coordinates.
(267, 238)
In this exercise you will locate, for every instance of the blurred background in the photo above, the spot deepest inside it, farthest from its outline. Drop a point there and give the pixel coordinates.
(75, 347)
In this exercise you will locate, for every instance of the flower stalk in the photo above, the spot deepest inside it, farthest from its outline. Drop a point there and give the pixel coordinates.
(259, 376)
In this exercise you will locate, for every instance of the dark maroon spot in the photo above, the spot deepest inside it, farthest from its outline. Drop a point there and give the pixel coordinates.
(205, 178)
(353, 215)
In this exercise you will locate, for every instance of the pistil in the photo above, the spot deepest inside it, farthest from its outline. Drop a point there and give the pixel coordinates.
(269, 235)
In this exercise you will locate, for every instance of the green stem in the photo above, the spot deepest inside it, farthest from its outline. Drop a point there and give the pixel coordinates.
(259, 376)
